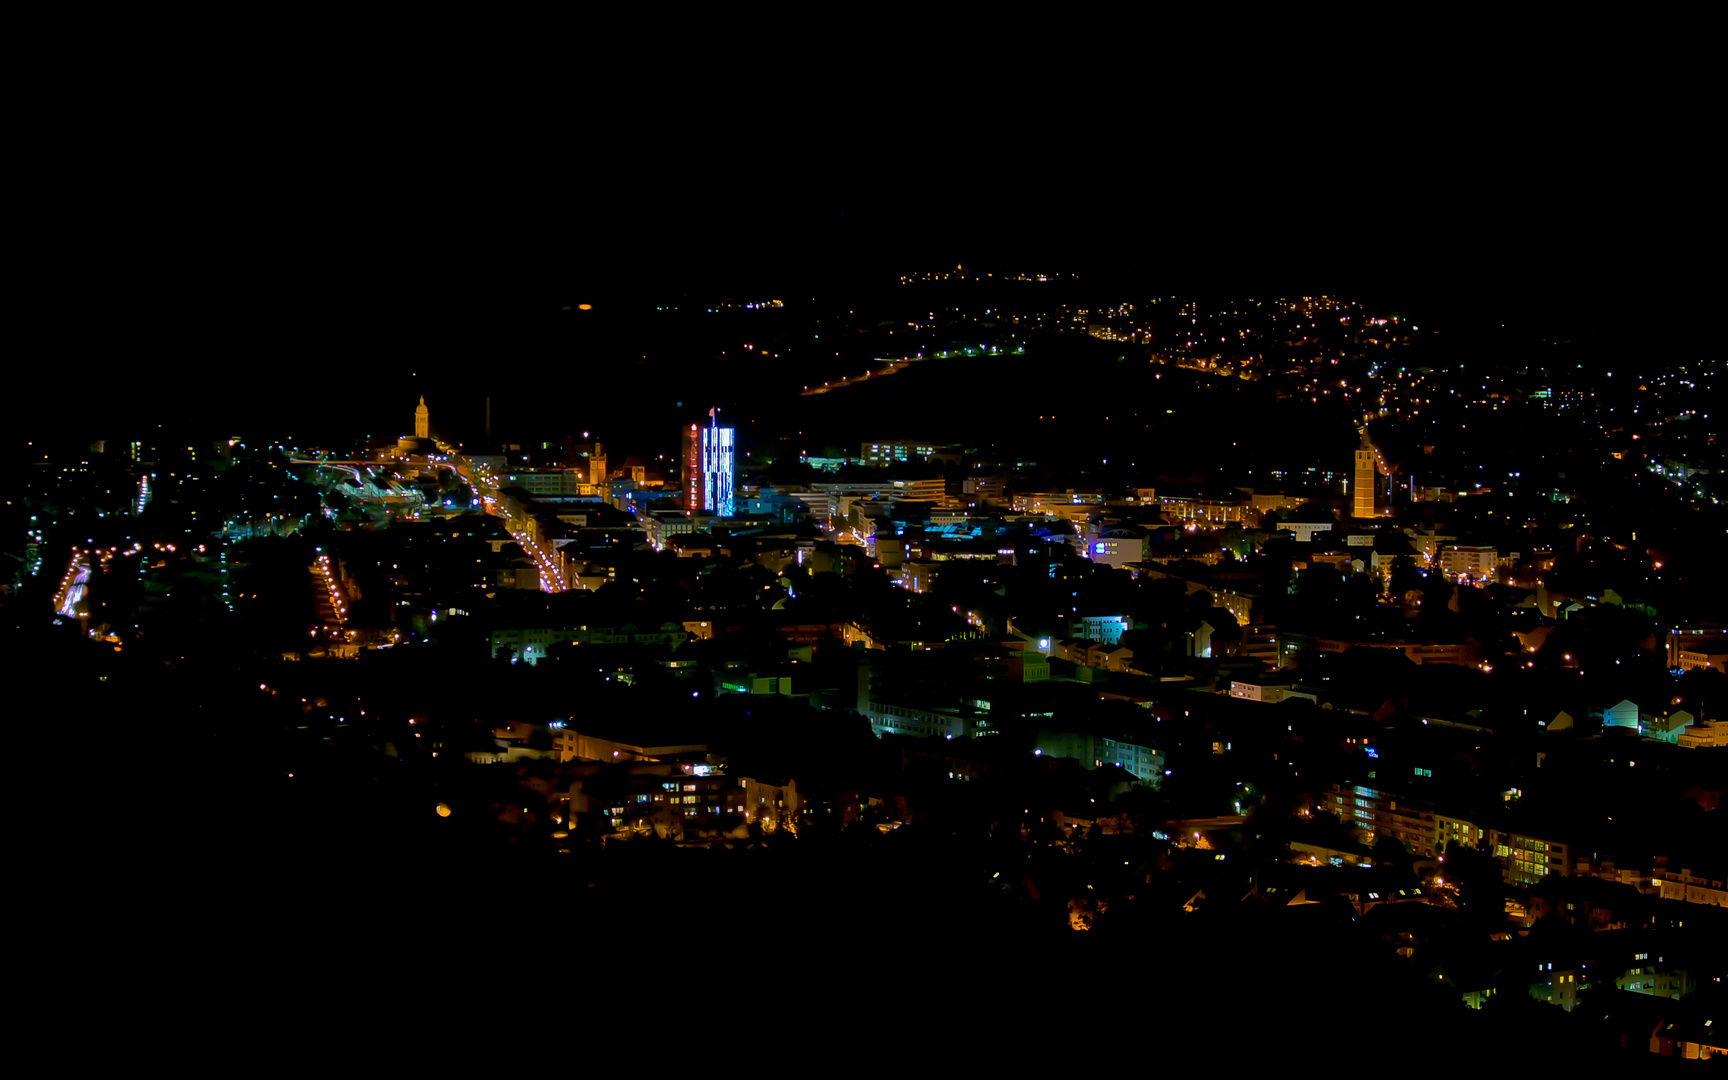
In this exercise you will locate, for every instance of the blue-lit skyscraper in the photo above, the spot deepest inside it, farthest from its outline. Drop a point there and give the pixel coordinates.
(708, 468)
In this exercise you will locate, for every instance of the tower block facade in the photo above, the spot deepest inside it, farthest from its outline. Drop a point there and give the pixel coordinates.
(1362, 485)
(707, 454)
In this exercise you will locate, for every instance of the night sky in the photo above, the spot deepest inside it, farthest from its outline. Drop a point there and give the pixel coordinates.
(272, 294)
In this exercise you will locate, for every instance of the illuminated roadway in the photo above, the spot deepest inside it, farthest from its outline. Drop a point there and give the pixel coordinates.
(363, 483)
(72, 587)
(486, 488)
(894, 364)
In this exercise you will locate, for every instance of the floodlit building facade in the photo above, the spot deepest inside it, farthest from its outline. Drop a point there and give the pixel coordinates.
(1362, 484)
(1468, 563)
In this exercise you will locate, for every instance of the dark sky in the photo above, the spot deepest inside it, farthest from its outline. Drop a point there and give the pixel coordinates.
(259, 277)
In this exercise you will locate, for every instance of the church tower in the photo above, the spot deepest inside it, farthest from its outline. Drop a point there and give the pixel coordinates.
(422, 421)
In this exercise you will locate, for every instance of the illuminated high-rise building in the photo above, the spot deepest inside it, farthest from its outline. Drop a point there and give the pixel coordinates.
(708, 468)
(1362, 484)
(422, 421)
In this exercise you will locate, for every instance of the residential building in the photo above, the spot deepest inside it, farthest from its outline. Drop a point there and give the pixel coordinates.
(1105, 628)
(1379, 813)
(1468, 563)
(1094, 750)
(1702, 733)
(1588, 903)
(1526, 858)
(1695, 639)
(1693, 888)
(672, 797)
(1270, 689)
(920, 721)
(1455, 830)
(1698, 659)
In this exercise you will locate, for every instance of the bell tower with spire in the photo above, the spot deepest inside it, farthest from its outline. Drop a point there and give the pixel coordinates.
(422, 421)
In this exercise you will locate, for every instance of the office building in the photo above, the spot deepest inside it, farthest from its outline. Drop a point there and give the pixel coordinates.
(893, 451)
(708, 468)
(547, 482)
(931, 491)
(1204, 511)
(1115, 547)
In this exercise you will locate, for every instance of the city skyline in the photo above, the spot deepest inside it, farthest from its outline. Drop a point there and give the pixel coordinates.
(1013, 627)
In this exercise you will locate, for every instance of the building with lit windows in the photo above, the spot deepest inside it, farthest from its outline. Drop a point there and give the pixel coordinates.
(1362, 484)
(920, 721)
(1204, 511)
(530, 645)
(889, 452)
(1105, 628)
(984, 489)
(1695, 640)
(1096, 749)
(1466, 653)
(1695, 659)
(1379, 813)
(1114, 547)
(1268, 688)
(1587, 903)
(1270, 502)
(1472, 563)
(1054, 503)
(1702, 733)
(931, 491)
(670, 798)
(1526, 859)
(1692, 887)
(1303, 530)
(1455, 830)
(659, 528)
(707, 457)
(547, 481)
